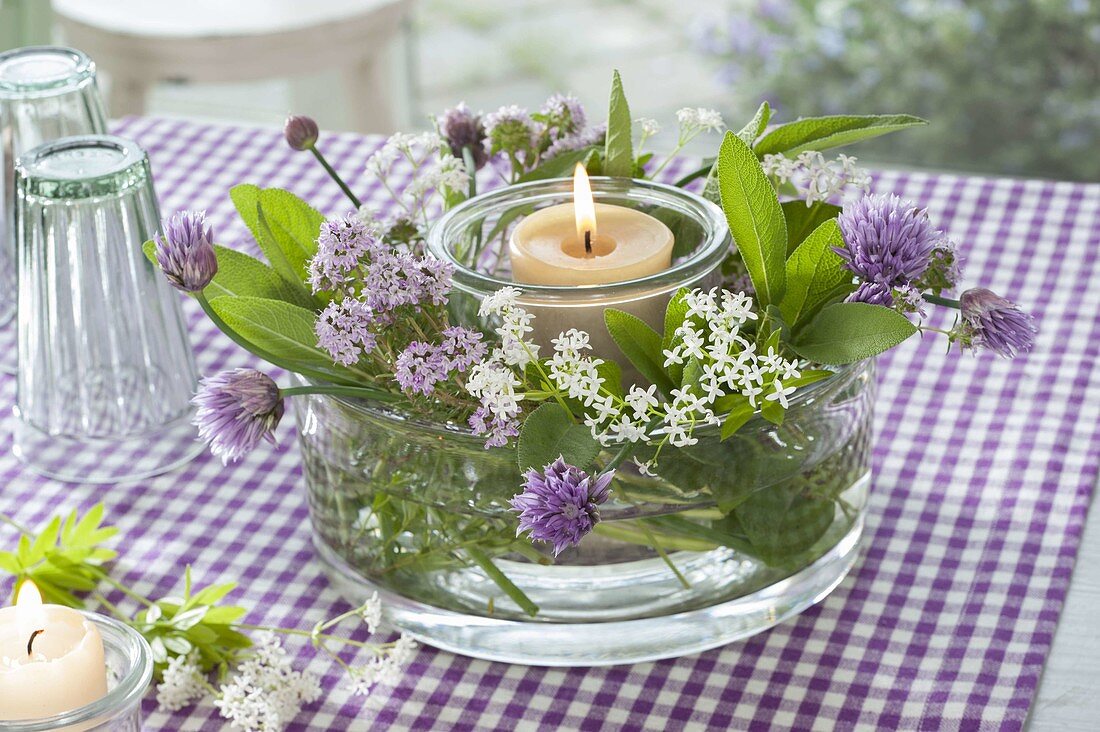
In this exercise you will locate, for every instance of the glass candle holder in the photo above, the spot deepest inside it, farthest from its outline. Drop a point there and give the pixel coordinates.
(129, 673)
(106, 371)
(46, 92)
(474, 237)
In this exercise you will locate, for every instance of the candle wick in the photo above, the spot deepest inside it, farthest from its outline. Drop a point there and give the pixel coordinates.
(30, 641)
(588, 242)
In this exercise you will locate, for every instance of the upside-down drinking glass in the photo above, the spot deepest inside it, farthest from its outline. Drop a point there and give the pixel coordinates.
(106, 371)
(46, 92)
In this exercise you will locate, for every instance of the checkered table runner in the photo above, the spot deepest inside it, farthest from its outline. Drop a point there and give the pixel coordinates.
(983, 473)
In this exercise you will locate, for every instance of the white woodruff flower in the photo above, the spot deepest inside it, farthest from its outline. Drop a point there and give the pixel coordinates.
(371, 613)
(266, 693)
(649, 127)
(494, 385)
(515, 349)
(182, 684)
(575, 374)
(697, 119)
(385, 669)
(498, 302)
(817, 179)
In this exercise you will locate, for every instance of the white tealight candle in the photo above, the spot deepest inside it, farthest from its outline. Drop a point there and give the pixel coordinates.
(588, 243)
(51, 658)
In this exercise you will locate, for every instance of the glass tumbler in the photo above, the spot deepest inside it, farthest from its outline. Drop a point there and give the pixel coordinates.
(106, 371)
(46, 92)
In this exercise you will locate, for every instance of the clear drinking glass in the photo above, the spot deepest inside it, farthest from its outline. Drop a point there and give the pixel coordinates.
(46, 92)
(106, 371)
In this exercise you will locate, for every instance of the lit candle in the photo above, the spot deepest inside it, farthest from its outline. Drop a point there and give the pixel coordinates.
(588, 243)
(51, 658)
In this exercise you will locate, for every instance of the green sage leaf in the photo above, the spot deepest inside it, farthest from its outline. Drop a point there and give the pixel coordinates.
(802, 220)
(278, 327)
(822, 133)
(618, 147)
(293, 224)
(559, 166)
(756, 126)
(846, 332)
(640, 344)
(815, 275)
(754, 216)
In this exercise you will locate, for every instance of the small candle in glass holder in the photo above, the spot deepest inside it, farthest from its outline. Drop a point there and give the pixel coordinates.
(51, 658)
(586, 243)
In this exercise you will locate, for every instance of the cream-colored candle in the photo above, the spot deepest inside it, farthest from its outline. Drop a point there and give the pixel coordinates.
(587, 243)
(549, 246)
(65, 666)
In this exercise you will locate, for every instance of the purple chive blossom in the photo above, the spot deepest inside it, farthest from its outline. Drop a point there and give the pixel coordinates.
(420, 366)
(560, 504)
(499, 428)
(300, 132)
(887, 240)
(344, 330)
(995, 323)
(874, 293)
(236, 409)
(510, 129)
(185, 251)
(564, 115)
(463, 347)
(342, 247)
(462, 128)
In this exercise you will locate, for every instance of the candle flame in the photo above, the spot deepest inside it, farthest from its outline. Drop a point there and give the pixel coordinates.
(583, 204)
(28, 596)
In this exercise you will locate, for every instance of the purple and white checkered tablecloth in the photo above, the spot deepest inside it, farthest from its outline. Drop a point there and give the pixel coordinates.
(983, 473)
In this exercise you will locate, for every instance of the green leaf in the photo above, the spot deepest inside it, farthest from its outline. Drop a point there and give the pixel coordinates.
(755, 217)
(559, 166)
(246, 198)
(755, 127)
(640, 344)
(822, 133)
(244, 276)
(815, 275)
(278, 327)
(675, 313)
(739, 414)
(845, 332)
(802, 220)
(10, 564)
(780, 523)
(294, 226)
(618, 147)
(550, 431)
(773, 412)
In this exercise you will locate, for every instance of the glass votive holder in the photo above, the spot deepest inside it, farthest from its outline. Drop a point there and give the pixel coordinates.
(129, 673)
(474, 237)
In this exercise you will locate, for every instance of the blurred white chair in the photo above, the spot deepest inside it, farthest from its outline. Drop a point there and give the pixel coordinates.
(139, 43)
